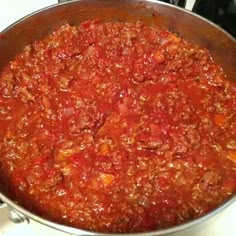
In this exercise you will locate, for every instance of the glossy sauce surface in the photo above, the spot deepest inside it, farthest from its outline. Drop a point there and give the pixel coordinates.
(117, 127)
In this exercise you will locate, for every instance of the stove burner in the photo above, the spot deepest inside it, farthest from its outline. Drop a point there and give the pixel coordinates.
(180, 3)
(223, 13)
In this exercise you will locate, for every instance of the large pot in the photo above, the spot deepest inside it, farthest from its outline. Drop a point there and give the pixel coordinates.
(198, 30)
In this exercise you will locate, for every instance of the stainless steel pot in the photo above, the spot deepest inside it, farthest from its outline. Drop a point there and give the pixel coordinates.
(198, 30)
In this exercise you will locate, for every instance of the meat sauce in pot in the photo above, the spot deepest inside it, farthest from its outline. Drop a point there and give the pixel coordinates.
(117, 127)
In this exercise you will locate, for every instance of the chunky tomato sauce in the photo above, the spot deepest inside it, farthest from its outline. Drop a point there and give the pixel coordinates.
(117, 127)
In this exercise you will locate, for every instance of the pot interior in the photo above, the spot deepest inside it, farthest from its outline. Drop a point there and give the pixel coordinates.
(36, 26)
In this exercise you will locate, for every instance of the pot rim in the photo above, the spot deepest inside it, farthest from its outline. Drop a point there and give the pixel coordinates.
(141, 1)
(76, 231)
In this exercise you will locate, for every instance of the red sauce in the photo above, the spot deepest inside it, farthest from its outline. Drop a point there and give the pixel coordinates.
(117, 127)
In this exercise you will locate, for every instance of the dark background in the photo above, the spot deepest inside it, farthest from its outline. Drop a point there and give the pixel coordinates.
(221, 12)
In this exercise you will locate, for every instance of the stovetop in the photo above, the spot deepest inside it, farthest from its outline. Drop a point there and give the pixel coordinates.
(11, 11)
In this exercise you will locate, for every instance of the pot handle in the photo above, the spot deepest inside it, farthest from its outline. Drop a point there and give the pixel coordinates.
(2, 204)
(61, 1)
(14, 216)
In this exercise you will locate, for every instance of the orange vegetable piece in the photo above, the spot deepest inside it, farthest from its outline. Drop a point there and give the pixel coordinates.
(159, 56)
(104, 149)
(106, 179)
(8, 134)
(232, 155)
(220, 119)
(174, 38)
(62, 154)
